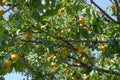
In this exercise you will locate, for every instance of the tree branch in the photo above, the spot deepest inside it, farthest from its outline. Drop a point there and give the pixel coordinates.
(107, 71)
(83, 65)
(117, 10)
(11, 7)
(104, 13)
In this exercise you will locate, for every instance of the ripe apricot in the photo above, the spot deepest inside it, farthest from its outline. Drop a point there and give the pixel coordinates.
(1, 11)
(79, 49)
(3, 2)
(53, 64)
(7, 64)
(102, 48)
(14, 57)
(84, 59)
(62, 31)
(94, 39)
(85, 76)
(81, 20)
(82, 25)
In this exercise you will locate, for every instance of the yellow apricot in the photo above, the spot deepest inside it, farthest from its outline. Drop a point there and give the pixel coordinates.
(84, 59)
(94, 39)
(79, 49)
(53, 64)
(3, 2)
(81, 20)
(85, 76)
(14, 57)
(1, 11)
(82, 25)
(7, 63)
(62, 31)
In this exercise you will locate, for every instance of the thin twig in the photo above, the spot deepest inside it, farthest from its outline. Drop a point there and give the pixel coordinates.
(32, 41)
(87, 41)
(83, 65)
(111, 1)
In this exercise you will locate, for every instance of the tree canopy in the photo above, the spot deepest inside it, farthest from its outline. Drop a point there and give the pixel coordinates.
(60, 39)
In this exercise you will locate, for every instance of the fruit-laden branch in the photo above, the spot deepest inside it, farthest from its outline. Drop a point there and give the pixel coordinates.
(69, 40)
(86, 66)
(73, 48)
(14, 5)
(104, 13)
(68, 43)
(117, 10)
(81, 64)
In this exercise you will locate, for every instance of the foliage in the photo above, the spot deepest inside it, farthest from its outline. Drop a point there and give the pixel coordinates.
(57, 39)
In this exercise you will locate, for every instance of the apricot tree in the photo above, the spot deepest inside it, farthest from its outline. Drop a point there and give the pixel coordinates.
(60, 39)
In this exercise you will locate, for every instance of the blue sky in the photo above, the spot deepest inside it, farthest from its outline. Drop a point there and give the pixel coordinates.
(103, 3)
(14, 76)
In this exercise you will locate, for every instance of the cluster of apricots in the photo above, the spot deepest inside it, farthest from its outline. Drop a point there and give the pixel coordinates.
(2, 2)
(84, 59)
(81, 20)
(7, 63)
